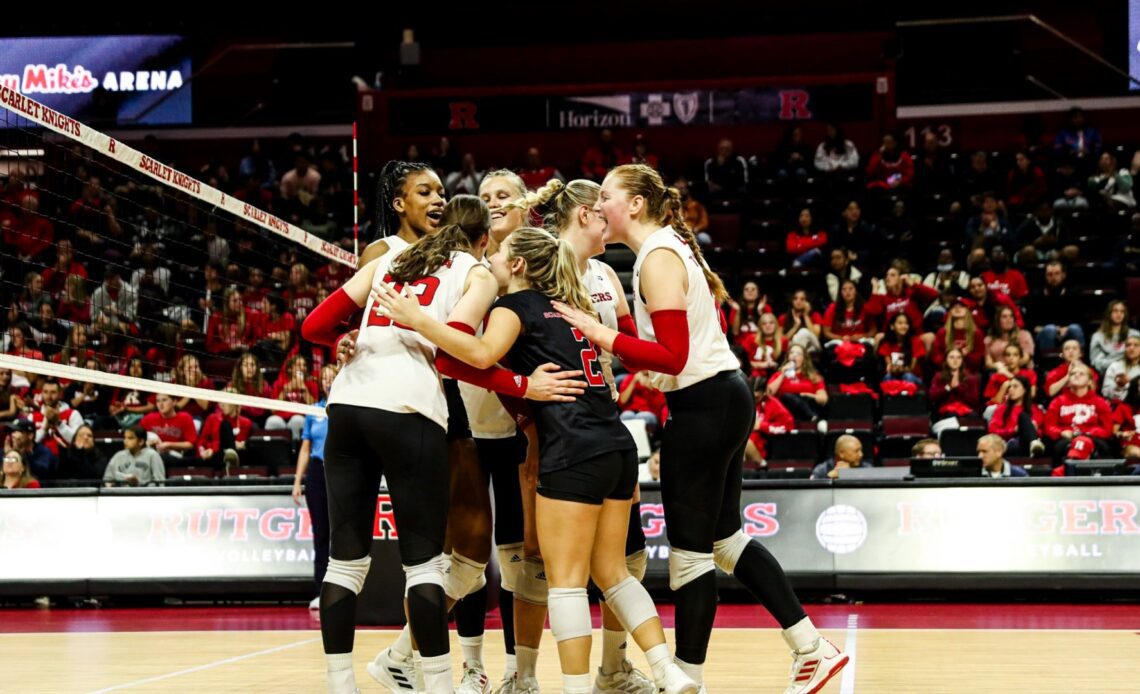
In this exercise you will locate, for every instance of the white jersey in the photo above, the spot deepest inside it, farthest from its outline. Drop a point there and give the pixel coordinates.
(486, 416)
(709, 352)
(394, 368)
(395, 244)
(604, 296)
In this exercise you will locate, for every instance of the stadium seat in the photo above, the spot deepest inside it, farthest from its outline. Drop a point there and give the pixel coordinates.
(850, 411)
(905, 406)
(794, 445)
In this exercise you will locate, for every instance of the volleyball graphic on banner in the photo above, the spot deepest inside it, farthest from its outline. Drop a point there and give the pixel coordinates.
(841, 529)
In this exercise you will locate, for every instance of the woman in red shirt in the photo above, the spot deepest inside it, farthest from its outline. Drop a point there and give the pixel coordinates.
(16, 473)
(640, 400)
(1005, 371)
(801, 324)
(805, 245)
(293, 385)
(1017, 420)
(846, 320)
(901, 352)
(765, 348)
(744, 314)
(189, 373)
(234, 329)
(961, 333)
(1125, 420)
(800, 388)
(248, 380)
(954, 390)
(74, 304)
(772, 418)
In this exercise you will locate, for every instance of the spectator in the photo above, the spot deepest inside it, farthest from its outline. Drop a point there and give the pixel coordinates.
(1077, 139)
(18, 345)
(744, 314)
(960, 332)
(293, 385)
(27, 235)
(848, 453)
(279, 328)
(772, 419)
(188, 372)
(638, 399)
(804, 244)
(75, 351)
(853, 233)
(114, 304)
(223, 434)
(137, 465)
(74, 304)
(303, 178)
(988, 228)
(946, 276)
(641, 153)
(696, 216)
(443, 157)
(1005, 371)
(151, 283)
(234, 330)
(247, 379)
(1107, 343)
(258, 166)
(301, 296)
(1055, 311)
(1004, 332)
(991, 449)
(1000, 277)
(466, 180)
(836, 155)
(651, 469)
(48, 334)
(798, 386)
(1017, 420)
(890, 168)
(82, 460)
(847, 319)
(1113, 186)
(1068, 187)
(11, 397)
(1025, 184)
(726, 174)
(16, 473)
(794, 157)
(128, 406)
(90, 400)
(55, 420)
(901, 352)
(32, 294)
(22, 439)
(1125, 419)
(900, 293)
(841, 269)
(55, 277)
(984, 304)
(926, 448)
(1042, 234)
(1122, 371)
(933, 170)
(599, 159)
(801, 323)
(977, 180)
(1058, 379)
(765, 347)
(173, 431)
(954, 390)
(1079, 422)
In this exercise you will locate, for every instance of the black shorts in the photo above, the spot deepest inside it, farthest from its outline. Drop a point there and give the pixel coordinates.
(457, 424)
(610, 475)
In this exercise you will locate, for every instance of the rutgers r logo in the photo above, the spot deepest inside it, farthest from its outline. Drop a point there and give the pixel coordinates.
(794, 104)
(463, 116)
(385, 526)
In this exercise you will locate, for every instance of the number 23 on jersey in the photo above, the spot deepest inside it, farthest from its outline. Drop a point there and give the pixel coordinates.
(423, 289)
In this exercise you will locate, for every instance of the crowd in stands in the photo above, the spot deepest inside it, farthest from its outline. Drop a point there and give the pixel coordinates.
(987, 289)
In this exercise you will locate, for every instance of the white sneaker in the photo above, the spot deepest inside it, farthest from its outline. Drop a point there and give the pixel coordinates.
(677, 682)
(475, 679)
(507, 686)
(1036, 448)
(397, 674)
(811, 670)
(628, 679)
(315, 604)
(526, 685)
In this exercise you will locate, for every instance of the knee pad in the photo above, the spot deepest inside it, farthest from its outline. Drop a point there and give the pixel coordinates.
(727, 552)
(686, 566)
(531, 585)
(429, 572)
(631, 603)
(348, 573)
(463, 576)
(569, 610)
(635, 563)
(510, 564)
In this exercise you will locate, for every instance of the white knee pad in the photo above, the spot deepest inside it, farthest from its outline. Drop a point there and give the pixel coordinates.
(631, 603)
(532, 581)
(686, 566)
(635, 564)
(510, 564)
(348, 573)
(727, 552)
(463, 576)
(569, 610)
(431, 571)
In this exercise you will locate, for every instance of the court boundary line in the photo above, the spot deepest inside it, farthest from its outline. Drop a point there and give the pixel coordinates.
(847, 684)
(206, 666)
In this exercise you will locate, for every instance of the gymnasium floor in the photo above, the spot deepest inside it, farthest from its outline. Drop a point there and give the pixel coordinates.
(894, 648)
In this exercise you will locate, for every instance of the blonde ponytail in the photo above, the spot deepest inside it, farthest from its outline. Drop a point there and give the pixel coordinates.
(551, 266)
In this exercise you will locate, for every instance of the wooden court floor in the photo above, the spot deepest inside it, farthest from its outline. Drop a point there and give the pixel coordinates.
(954, 661)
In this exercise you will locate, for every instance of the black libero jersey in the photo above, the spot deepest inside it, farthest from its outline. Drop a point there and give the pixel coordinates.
(568, 432)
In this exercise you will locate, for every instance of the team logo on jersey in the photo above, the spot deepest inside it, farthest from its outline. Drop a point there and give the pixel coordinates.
(685, 106)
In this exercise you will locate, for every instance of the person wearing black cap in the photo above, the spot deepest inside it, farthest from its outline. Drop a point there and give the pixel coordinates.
(38, 459)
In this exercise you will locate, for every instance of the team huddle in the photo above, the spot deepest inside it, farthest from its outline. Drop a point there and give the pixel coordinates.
(482, 362)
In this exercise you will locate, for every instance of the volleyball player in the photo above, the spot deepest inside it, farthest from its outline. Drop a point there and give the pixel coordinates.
(710, 417)
(409, 205)
(388, 416)
(588, 461)
(568, 212)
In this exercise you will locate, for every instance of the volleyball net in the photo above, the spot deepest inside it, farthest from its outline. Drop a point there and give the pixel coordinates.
(125, 275)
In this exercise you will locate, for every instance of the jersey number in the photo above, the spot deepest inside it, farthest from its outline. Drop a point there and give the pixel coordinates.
(424, 289)
(590, 365)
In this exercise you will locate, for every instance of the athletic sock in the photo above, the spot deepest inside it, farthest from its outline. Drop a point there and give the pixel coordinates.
(613, 650)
